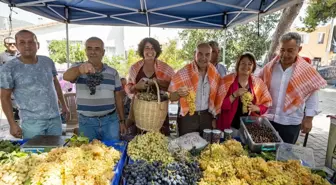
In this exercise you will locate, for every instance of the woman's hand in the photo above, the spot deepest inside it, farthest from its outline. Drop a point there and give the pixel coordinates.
(253, 108)
(151, 81)
(239, 92)
(141, 85)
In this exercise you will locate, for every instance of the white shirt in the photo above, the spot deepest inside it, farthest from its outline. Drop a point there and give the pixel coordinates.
(203, 93)
(279, 83)
(221, 69)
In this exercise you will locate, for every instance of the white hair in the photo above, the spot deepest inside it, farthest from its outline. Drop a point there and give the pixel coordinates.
(94, 39)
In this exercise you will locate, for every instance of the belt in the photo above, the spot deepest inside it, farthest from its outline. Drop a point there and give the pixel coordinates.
(108, 114)
(198, 113)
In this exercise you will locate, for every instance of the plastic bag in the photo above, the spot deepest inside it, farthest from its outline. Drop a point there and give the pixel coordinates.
(293, 152)
(188, 142)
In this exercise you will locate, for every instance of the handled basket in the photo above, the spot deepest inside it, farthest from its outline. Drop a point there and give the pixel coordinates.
(150, 115)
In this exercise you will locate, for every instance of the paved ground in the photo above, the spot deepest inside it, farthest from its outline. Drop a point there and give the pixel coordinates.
(318, 137)
(317, 140)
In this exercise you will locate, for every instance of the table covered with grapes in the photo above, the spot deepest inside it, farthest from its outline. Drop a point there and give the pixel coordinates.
(150, 161)
(226, 163)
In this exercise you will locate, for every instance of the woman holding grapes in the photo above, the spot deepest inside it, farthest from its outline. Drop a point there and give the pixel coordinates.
(244, 94)
(144, 72)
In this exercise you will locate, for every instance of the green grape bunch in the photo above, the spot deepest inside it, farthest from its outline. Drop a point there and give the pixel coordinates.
(152, 146)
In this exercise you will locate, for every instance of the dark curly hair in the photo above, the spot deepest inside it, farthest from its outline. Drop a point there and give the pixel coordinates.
(154, 42)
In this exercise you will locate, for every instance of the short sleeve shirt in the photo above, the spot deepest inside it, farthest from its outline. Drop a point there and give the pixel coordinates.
(33, 87)
(103, 101)
(6, 57)
(221, 69)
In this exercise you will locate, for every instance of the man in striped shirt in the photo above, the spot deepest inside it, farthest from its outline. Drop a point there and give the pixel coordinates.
(99, 95)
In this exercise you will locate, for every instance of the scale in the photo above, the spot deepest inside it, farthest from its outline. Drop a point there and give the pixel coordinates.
(42, 143)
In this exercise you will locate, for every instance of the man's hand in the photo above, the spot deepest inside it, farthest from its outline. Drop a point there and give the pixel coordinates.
(15, 130)
(86, 68)
(122, 128)
(183, 91)
(66, 112)
(214, 123)
(307, 124)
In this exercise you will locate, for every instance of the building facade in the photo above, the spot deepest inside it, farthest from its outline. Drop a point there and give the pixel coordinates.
(318, 45)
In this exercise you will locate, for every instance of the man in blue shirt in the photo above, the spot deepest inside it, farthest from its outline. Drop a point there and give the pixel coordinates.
(215, 58)
(33, 82)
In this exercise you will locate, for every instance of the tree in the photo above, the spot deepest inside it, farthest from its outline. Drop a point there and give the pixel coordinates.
(171, 55)
(57, 52)
(118, 63)
(318, 12)
(287, 18)
(121, 64)
(2, 47)
(240, 38)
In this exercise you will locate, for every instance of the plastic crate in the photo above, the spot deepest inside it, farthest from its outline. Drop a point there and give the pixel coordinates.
(116, 144)
(118, 169)
(247, 138)
(20, 142)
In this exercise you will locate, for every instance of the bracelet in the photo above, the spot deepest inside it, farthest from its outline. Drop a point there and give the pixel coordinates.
(122, 121)
(234, 97)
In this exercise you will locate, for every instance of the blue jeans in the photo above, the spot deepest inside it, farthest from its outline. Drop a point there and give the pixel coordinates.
(103, 128)
(31, 128)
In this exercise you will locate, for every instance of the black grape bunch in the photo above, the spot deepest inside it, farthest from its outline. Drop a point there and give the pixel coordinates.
(156, 173)
(93, 80)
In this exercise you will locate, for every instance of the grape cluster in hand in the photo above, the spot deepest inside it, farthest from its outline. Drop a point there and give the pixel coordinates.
(93, 80)
(156, 173)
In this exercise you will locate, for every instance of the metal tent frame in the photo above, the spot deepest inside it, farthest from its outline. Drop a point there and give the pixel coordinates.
(208, 14)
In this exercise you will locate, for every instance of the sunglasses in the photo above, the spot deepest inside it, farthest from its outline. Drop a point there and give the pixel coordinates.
(10, 44)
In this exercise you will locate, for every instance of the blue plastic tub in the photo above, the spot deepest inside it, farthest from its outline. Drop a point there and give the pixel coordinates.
(20, 142)
(116, 144)
(118, 169)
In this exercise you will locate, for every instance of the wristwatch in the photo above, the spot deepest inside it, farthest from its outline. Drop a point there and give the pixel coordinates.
(122, 121)
(233, 95)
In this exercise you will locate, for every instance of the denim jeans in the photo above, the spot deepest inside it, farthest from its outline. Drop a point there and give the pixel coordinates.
(31, 128)
(103, 128)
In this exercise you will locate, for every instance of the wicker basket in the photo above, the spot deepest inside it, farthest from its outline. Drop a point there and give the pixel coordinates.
(150, 115)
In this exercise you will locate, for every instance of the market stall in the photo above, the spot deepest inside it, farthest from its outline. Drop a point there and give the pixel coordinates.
(254, 158)
(257, 157)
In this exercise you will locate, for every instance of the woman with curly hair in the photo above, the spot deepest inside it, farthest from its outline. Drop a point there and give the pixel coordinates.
(142, 73)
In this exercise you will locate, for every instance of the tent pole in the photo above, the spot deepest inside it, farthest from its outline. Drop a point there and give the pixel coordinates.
(67, 44)
(67, 37)
(149, 31)
(224, 47)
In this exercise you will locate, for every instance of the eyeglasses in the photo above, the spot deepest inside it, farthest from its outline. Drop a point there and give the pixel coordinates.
(10, 44)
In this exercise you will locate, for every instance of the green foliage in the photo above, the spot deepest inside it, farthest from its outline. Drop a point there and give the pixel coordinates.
(171, 55)
(239, 39)
(318, 12)
(57, 52)
(121, 64)
(2, 47)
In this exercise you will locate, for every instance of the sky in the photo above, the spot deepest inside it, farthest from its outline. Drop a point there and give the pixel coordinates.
(133, 35)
